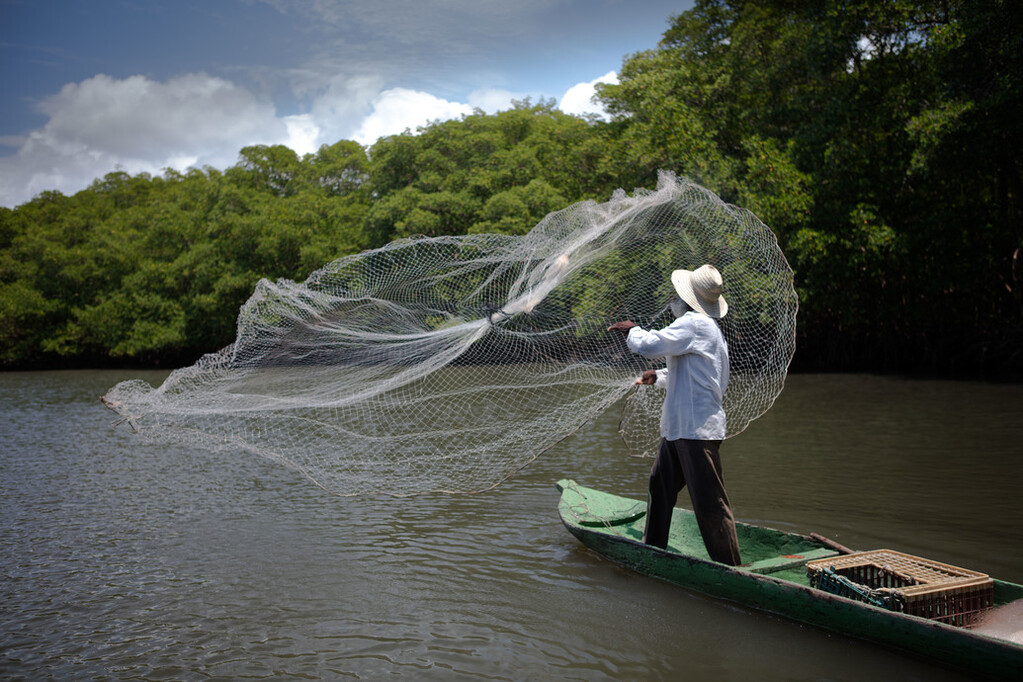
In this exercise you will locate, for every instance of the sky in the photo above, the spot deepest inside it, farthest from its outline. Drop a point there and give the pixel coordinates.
(94, 86)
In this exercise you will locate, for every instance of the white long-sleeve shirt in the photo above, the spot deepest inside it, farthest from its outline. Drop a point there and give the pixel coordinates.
(695, 378)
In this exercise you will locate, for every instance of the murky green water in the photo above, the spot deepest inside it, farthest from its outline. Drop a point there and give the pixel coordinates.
(124, 560)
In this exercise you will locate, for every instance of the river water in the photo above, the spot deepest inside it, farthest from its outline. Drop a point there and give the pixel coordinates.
(126, 560)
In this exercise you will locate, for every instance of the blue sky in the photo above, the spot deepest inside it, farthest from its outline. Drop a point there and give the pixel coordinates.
(92, 86)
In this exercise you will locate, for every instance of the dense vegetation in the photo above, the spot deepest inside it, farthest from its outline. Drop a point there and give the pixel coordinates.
(880, 141)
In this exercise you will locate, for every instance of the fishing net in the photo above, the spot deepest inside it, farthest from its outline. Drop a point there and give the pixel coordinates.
(447, 363)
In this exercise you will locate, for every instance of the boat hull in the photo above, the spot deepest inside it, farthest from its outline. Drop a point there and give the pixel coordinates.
(779, 594)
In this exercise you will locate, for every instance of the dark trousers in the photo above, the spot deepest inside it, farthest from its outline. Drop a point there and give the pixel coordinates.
(694, 464)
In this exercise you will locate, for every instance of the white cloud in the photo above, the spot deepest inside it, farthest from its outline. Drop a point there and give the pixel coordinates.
(138, 125)
(303, 133)
(341, 105)
(493, 100)
(137, 118)
(398, 109)
(578, 99)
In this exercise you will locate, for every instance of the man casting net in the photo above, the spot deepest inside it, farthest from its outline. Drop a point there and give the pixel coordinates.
(447, 363)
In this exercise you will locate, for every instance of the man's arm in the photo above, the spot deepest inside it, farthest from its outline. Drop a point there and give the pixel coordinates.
(659, 343)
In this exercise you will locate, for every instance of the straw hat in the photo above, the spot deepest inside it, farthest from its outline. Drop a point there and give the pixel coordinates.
(701, 289)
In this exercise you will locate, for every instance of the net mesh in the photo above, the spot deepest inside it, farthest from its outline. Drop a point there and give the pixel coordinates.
(447, 363)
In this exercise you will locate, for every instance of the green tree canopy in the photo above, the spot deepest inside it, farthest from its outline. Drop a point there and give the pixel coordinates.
(877, 139)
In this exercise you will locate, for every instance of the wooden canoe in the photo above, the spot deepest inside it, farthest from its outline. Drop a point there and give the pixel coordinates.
(775, 579)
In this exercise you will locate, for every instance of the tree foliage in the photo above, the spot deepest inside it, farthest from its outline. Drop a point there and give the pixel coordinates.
(880, 141)
(153, 269)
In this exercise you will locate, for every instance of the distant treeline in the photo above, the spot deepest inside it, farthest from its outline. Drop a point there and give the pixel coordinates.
(880, 141)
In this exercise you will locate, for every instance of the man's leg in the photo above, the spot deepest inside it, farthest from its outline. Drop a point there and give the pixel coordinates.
(701, 466)
(666, 480)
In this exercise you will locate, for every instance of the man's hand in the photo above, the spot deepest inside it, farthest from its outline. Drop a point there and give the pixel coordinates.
(622, 326)
(649, 378)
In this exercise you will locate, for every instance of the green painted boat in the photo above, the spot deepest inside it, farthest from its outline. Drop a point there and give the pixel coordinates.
(775, 579)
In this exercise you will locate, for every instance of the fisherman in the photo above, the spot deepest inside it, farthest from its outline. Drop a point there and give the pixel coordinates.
(692, 418)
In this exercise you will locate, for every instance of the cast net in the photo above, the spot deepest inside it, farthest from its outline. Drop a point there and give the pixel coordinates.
(447, 363)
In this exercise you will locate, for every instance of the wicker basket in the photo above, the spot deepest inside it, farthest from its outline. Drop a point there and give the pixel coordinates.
(905, 583)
